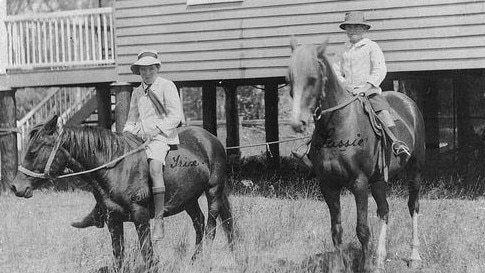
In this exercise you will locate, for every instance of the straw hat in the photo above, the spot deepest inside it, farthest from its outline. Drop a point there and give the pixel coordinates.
(354, 18)
(145, 58)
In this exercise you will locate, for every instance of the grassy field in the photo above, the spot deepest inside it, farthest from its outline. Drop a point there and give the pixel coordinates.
(275, 235)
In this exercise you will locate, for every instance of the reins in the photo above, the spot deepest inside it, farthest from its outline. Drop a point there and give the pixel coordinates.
(318, 112)
(113, 162)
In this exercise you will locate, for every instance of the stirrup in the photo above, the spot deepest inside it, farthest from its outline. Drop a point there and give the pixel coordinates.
(399, 148)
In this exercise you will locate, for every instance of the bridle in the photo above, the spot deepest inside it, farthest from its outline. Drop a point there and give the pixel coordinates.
(50, 160)
(319, 111)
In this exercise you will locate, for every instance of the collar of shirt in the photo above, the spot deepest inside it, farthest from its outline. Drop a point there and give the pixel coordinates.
(145, 86)
(360, 43)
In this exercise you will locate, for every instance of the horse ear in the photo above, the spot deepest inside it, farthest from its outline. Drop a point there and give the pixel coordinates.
(321, 49)
(293, 43)
(51, 126)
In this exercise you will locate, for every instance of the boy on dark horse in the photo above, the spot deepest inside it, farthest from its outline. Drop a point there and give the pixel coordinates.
(155, 113)
(361, 68)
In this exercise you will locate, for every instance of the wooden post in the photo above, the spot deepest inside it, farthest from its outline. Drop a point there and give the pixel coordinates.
(463, 123)
(123, 97)
(3, 37)
(271, 122)
(430, 109)
(8, 140)
(209, 107)
(232, 122)
(103, 97)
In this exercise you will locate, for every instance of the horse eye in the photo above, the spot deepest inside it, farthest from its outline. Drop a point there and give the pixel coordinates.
(312, 81)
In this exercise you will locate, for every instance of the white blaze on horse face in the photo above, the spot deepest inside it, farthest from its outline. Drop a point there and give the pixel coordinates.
(304, 82)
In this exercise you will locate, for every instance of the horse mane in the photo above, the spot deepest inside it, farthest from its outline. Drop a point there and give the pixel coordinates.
(333, 81)
(84, 141)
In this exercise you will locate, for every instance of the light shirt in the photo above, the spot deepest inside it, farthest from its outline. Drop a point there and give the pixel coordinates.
(360, 63)
(143, 118)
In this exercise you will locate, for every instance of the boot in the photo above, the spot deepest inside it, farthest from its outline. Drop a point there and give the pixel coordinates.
(159, 204)
(304, 158)
(399, 148)
(94, 218)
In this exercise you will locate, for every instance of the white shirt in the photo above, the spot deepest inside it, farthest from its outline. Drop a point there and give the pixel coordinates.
(143, 118)
(360, 63)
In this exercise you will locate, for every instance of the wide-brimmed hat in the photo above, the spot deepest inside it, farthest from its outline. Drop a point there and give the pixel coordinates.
(355, 18)
(145, 58)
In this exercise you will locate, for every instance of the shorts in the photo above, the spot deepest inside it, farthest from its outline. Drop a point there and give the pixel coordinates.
(379, 103)
(157, 149)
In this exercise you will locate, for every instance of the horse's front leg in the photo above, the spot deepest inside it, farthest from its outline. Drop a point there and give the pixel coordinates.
(360, 190)
(141, 218)
(378, 189)
(332, 198)
(115, 227)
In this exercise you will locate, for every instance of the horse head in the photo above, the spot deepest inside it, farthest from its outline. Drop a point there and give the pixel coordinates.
(44, 141)
(307, 78)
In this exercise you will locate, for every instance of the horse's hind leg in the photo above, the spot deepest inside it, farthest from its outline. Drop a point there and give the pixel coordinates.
(213, 195)
(413, 205)
(332, 198)
(193, 209)
(378, 189)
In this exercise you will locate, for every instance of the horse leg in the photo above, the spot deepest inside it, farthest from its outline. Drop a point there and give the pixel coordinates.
(332, 198)
(214, 203)
(141, 218)
(193, 209)
(115, 228)
(378, 189)
(360, 190)
(413, 205)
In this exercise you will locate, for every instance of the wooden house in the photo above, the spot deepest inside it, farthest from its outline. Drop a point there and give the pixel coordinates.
(435, 51)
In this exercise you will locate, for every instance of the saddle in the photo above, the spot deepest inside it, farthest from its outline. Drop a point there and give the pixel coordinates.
(383, 135)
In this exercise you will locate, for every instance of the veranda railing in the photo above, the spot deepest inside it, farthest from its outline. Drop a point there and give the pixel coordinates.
(60, 39)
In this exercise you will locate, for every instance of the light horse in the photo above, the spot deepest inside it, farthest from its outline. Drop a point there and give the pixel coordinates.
(198, 166)
(345, 149)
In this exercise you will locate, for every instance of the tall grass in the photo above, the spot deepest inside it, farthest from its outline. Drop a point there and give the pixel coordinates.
(274, 235)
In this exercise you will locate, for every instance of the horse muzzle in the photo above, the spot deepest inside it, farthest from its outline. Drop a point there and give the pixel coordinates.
(299, 126)
(21, 189)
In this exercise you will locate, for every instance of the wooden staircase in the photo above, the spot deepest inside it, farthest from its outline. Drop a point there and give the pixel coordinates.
(74, 105)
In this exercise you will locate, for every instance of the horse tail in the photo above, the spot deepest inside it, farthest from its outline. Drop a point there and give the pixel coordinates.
(227, 220)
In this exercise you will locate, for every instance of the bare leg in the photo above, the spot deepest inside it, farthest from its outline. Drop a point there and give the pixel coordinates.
(360, 191)
(156, 174)
(332, 198)
(379, 193)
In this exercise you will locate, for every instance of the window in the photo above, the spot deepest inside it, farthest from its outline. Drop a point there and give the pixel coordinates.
(205, 2)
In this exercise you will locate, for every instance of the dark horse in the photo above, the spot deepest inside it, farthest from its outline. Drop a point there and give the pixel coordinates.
(345, 149)
(196, 167)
